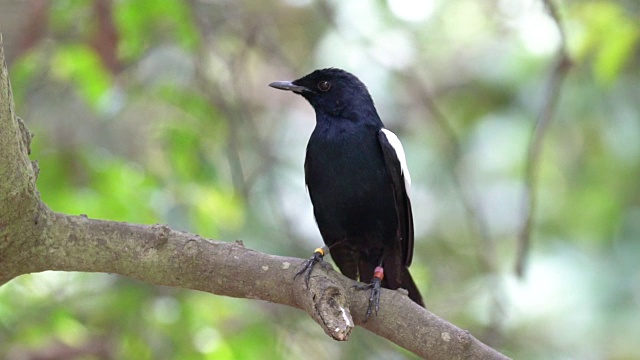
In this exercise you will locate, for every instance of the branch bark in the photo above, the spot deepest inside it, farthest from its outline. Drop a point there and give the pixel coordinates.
(33, 238)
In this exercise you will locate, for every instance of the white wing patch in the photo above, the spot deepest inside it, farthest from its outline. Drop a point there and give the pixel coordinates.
(397, 146)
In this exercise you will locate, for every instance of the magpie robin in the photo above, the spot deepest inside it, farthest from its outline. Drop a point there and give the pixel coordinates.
(358, 181)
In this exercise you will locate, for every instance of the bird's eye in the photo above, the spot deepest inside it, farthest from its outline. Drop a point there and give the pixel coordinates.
(324, 86)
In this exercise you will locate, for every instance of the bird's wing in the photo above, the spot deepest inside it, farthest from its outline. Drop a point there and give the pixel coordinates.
(401, 180)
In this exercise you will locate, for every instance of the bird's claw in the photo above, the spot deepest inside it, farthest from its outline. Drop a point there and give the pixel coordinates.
(374, 299)
(308, 265)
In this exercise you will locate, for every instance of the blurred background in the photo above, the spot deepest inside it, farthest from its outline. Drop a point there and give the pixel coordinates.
(158, 111)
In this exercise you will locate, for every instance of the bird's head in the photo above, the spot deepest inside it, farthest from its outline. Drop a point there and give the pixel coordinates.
(333, 92)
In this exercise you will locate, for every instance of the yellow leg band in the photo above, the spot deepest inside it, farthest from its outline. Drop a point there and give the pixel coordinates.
(320, 250)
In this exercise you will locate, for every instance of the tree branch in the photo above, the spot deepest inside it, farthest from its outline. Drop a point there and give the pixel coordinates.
(161, 256)
(33, 238)
(547, 108)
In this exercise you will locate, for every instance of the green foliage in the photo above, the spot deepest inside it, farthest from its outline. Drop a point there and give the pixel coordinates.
(186, 148)
(610, 35)
(140, 21)
(186, 132)
(23, 74)
(96, 184)
(71, 16)
(80, 66)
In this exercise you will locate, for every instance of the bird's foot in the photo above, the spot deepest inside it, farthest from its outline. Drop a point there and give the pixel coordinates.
(375, 285)
(308, 265)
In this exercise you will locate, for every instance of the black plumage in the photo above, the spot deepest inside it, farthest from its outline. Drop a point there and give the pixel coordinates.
(358, 183)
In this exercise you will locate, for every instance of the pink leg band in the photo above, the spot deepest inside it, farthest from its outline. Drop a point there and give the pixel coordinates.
(378, 272)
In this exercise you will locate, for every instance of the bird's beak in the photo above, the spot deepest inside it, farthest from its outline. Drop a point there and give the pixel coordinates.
(288, 85)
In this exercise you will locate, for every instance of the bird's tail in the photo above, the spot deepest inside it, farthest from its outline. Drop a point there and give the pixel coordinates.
(410, 286)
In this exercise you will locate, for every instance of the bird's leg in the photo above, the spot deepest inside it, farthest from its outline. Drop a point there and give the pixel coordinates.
(307, 268)
(374, 299)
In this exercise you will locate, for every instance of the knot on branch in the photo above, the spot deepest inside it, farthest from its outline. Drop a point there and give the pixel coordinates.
(160, 236)
(332, 308)
(464, 338)
(326, 301)
(26, 135)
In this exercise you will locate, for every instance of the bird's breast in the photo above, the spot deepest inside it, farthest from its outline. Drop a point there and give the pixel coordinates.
(346, 175)
(343, 161)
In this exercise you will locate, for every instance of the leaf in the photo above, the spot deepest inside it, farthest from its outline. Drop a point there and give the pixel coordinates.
(615, 52)
(81, 66)
(139, 21)
(609, 36)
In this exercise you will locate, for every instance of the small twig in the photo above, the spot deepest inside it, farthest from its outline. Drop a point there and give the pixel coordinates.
(547, 109)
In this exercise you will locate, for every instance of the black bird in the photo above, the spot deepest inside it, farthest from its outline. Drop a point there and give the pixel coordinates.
(358, 181)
